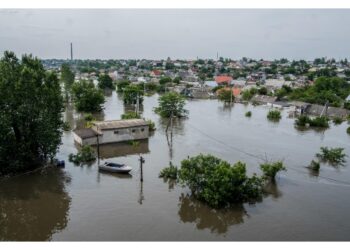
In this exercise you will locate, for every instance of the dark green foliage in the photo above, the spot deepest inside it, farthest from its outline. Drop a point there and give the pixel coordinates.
(67, 77)
(218, 183)
(332, 89)
(130, 115)
(105, 82)
(315, 165)
(337, 120)
(347, 105)
(66, 126)
(121, 85)
(333, 156)
(87, 97)
(150, 87)
(132, 93)
(226, 95)
(86, 155)
(171, 103)
(216, 88)
(152, 125)
(348, 130)
(318, 122)
(169, 172)
(274, 115)
(271, 169)
(248, 114)
(88, 117)
(285, 90)
(262, 91)
(31, 108)
(248, 94)
(165, 80)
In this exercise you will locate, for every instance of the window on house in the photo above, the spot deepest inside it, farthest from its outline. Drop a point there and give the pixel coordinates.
(134, 130)
(116, 132)
(142, 129)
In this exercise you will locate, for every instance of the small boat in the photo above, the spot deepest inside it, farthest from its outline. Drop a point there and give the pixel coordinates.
(115, 167)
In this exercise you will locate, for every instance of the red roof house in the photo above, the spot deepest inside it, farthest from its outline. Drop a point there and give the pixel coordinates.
(223, 80)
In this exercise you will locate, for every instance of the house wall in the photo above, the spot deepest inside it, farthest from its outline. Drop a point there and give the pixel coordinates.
(124, 134)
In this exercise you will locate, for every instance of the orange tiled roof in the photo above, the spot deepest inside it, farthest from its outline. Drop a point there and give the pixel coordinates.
(223, 79)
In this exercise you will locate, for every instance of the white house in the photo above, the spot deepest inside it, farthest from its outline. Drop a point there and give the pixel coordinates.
(112, 131)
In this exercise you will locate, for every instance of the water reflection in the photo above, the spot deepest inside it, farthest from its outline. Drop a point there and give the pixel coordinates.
(123, 149)
(33, 207)
(216, 220)
(271, 188)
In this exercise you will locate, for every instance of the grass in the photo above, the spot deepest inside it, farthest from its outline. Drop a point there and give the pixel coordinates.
(274, 115)
(333, 156)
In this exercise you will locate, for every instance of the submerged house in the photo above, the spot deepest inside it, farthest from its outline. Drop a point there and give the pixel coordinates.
(112, 131)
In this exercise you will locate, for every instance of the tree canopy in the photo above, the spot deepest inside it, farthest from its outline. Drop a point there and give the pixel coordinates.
(87, 97)
(67, 77)
(30, 113)
(105, 82)
(171, 104)
(132, 93)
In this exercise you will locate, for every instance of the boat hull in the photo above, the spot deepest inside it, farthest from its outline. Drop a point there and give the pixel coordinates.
(123, 170)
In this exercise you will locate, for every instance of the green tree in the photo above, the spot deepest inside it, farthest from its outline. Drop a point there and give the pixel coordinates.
(121, 85)
(218, 183)
(226, 95)
(31, 108)
(171, 104)
(165, 80)
(105, 82)
(132, 93)
(87, 97)
(271, 169)
(67, 77)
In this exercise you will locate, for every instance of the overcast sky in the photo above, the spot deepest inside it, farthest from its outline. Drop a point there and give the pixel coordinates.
(180, 34)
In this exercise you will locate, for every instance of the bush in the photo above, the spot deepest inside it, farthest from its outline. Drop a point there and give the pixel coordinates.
(86, 155)
(274, 115)
(315, 165)
(225, 95)
(88, 117)
(130, 115)
(348, 130)
(87, 98)
(169, 172)
(248, 114)
(334, 156)
(271, 169)
(216, 88)
(105, 81)
(151, 125)
(121, 85)
(303, 120)
(66, 126)
(337, 120)
(218, 183)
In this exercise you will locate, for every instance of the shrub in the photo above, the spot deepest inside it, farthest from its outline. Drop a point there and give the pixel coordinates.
(88, 117)
(134, 143)
(66, 126)
(274, 115)
(315, 165)
(348, 130)
(130, 115)
(218, 183)
(151, 125)
(303, 120)
(84, 156)
(121, 85)
(87, 97)
(337, 120)
(334, 156)
(225, 95)
(271, 169)
(169, 172)
(248, 114)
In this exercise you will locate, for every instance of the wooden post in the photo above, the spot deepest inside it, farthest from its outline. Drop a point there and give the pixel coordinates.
(142, 160)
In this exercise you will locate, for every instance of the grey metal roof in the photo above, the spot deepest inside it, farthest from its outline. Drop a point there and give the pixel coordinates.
(114, 124)
(85, 133)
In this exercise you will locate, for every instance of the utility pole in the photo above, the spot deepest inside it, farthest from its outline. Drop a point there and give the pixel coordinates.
(98, 150)
(142, 160)
(71, 51)
(231, 94)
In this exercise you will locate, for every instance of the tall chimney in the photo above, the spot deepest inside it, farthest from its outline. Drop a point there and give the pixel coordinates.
(71, 51)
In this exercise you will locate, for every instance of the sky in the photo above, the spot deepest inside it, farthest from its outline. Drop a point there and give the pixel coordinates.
(176, 33)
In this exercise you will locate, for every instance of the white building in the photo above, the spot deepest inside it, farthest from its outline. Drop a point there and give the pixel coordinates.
(112, 131)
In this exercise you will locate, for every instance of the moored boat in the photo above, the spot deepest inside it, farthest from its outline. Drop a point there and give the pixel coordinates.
(114, 167)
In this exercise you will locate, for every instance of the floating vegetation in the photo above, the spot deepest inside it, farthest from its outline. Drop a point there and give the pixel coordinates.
(348, 130)
(151, 125)
(130, 115)
(337, 120)
(333, 156)
(66, 126)
(314, 165)
(248, 114)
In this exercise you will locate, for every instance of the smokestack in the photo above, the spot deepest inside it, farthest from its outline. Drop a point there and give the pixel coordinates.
(71, 51)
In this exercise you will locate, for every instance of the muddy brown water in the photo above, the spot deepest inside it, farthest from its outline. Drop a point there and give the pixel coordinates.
(79, 203)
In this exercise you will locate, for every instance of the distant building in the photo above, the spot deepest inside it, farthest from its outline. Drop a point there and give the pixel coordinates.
(112, 131)
(223, 80)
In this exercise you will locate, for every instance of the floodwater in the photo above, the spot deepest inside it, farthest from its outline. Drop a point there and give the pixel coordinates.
(79, 203)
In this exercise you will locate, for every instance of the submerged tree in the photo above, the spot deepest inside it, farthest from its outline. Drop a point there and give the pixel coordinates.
(133, 94)
(67, 77)
(31, 108)
(171, 105)
(87, 97)
(105, 82)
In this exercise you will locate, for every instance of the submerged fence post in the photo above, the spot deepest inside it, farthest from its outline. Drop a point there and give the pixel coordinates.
(142, 160)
